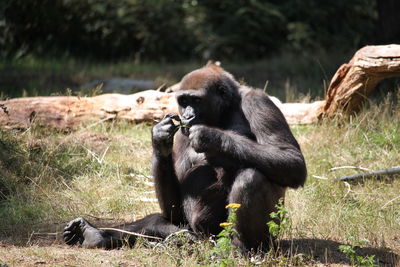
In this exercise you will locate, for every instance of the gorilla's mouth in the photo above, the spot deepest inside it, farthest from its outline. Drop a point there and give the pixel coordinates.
(186, 124)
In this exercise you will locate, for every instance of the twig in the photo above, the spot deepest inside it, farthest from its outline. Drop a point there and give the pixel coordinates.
(148, 183)
(55, 233)
(139, 175)
(100, 218)
(390, 171)
(131, 233)
(104, 154)
(145, 199)
(176, 234)
(348, 189)
(149, 192)
(92, 154)
(265, 86)
(161, 88)
(109, 229)
(30, 238)
(97, 122)
(319, 177)
(348, 167)
(390, 201)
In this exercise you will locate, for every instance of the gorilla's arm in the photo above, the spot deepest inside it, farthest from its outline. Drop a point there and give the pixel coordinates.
(166, 182)
(276, 152)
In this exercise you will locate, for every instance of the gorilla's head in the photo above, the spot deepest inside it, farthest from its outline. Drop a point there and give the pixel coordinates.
(205, 95)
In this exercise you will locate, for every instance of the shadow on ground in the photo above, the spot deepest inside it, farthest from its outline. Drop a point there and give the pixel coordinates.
(327, 251)
(313, 251)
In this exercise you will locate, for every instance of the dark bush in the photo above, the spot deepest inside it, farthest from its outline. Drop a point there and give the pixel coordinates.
(161, 30)
(99, 28)
(241, 29)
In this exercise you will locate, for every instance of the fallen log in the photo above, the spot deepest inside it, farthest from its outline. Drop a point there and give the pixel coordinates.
(355, 80)
(349, 87)
(68, 112)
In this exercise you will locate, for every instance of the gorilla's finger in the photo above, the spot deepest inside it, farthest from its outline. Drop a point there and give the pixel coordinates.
(165, 121)
(72, 240)
(172, 116)
(68, 236)
(65, 234)
(169, 128)
(73, 224)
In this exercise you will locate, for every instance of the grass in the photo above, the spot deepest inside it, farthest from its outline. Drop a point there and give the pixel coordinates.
(366, 209)
(102, 172)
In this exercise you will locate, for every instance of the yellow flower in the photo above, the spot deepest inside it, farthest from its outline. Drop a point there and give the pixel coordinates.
(232, 206)
(225, 224)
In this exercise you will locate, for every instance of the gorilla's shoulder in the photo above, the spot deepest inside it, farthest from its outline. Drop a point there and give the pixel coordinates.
(257, 97)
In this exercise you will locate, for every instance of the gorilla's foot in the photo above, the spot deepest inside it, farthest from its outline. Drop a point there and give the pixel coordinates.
(80, 231)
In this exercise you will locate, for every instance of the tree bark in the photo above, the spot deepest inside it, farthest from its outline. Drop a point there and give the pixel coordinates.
(68, 112)
(354, 81)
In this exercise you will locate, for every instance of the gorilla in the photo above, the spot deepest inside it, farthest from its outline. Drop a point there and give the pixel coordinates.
(233, 145)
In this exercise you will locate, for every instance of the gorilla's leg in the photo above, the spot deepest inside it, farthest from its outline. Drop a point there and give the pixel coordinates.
(258, 197)
(204, 200)
(80, 231)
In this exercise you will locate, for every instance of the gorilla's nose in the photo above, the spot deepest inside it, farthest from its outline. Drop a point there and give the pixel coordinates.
(187, 121)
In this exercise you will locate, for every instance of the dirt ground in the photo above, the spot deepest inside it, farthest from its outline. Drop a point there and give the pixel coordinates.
(49, 251)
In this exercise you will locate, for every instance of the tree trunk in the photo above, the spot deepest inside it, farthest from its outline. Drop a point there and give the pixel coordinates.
(354, 81)
(68, 112)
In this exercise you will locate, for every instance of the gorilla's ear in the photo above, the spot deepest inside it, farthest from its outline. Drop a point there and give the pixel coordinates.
(224, 90)
(212, 63)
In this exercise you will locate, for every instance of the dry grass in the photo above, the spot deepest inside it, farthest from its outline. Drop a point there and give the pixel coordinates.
(102, 173)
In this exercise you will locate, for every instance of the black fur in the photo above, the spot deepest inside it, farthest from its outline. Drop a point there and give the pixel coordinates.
(238, 149)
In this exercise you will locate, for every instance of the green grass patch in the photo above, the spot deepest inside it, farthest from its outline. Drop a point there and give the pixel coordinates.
(103, 171)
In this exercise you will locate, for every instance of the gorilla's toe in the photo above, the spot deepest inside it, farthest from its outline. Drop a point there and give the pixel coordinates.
(73, 232)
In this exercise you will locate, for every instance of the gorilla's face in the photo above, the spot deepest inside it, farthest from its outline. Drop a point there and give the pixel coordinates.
(204, 96)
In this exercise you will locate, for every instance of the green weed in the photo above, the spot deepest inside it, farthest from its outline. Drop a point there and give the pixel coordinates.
(224, 250)
(280, 222)
(350, 251)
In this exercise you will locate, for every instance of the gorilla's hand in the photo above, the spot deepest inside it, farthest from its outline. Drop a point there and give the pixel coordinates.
(204, 139)
(163, 134)
(80, 231)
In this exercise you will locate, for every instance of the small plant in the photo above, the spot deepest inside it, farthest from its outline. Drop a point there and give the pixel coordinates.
(224, 246)
(281, 215)
(356, 260)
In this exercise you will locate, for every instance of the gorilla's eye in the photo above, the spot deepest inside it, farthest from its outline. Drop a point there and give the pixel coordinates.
(183, 101)
(221, 90)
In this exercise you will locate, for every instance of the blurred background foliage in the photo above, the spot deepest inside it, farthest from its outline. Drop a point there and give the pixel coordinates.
(294, 46)
(180, 30)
